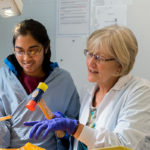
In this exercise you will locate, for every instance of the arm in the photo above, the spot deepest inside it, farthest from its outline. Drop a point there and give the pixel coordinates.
(72, 111)
(127, 123)
(4, 129)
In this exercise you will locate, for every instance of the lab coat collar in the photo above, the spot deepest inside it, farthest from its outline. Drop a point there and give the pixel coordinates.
(122, 81)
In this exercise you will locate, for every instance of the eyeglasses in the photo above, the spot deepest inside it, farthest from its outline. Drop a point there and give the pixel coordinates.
(31, 52)
(96, 57)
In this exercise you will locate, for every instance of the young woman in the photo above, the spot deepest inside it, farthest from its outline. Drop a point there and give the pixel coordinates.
(29, 65)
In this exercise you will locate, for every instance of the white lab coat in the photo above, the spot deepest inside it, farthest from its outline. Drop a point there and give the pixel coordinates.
(123, 117)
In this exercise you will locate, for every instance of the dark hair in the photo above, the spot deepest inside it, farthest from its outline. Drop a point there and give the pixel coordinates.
(39, 33)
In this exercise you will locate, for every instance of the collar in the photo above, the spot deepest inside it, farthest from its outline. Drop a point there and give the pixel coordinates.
(122, 81)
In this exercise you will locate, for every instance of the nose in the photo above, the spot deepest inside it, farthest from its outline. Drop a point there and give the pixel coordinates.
(91, 61)
(26, 56)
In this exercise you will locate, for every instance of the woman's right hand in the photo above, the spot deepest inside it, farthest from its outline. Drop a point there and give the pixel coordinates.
(55, 124)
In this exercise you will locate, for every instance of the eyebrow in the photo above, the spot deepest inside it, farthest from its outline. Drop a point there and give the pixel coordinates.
(28, 48)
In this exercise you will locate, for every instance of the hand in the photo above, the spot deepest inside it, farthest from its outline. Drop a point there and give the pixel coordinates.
(32, 123)
(58, 114)
(66, 124)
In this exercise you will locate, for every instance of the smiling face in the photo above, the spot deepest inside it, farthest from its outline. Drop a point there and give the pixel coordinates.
(102, 72)
(32, 65)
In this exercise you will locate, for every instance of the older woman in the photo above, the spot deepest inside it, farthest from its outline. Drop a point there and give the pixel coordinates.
(115, 109)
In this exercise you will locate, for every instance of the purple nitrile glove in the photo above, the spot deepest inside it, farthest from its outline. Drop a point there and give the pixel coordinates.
(58, 114)
(33, 123)
(66, 124)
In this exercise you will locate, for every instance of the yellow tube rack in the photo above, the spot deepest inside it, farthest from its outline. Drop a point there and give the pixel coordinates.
(27, 146)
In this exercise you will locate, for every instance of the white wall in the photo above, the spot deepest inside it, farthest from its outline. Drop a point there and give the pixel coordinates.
(70, 54)
(139, 23)
(71, 50)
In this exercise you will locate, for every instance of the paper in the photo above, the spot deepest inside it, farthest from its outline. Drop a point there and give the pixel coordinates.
(109, 15)
(72, 17)
(111, 2)
(118, 2)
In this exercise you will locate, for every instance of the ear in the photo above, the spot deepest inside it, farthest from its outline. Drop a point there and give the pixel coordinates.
(119, 69)
(46, 49)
